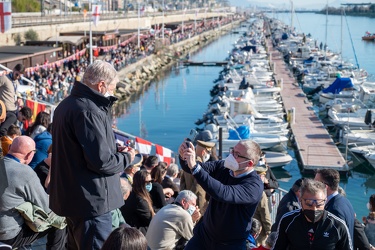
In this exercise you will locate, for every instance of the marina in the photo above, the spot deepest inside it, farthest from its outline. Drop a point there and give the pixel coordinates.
(161, 101)
(258, 95)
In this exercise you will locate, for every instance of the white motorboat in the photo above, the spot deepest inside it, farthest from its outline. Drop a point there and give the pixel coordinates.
(359, 137)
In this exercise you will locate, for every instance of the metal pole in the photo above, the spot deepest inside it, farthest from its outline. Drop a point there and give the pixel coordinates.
(139, 19)
(90, 40)
(162, 31)
(183, 18)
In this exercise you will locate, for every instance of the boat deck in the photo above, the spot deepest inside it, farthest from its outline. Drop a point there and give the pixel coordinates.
(314, 145)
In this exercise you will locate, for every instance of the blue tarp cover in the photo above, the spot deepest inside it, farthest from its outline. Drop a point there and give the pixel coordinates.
(338, 85)
(243, 131)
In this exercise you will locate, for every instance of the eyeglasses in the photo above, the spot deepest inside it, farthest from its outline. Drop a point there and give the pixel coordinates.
(318, 203)
(237, 155)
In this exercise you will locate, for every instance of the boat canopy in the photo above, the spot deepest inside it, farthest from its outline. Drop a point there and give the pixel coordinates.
(338, 85)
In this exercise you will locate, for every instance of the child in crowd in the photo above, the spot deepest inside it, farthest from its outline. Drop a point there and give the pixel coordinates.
(13, 132)
(256, 227)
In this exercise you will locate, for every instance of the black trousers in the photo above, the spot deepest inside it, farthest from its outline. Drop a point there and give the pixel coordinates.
(56, 238)
(10, 119)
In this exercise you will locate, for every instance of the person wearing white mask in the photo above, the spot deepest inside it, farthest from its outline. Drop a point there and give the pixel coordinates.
(173, 225)
(235, 190)
(203, 154)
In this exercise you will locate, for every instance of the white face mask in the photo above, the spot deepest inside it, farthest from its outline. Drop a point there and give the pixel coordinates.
(107, 94)
(368, 206)
(206, 157)
(231, 163)
(191, 209)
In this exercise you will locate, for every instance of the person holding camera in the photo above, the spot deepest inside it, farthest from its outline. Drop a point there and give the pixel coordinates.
(235, 190)
(85, 177)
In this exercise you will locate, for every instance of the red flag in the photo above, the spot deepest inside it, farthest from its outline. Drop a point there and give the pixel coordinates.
(5, 16)
(143, 146)
(164, 154)
(36, 107)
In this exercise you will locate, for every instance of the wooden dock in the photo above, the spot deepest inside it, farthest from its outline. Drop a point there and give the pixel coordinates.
(314, 146)
(191, 63)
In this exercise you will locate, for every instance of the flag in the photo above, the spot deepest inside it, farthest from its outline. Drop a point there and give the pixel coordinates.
(164, 154)
(95, 14)
(143, 146)
(5, 16)
(35, 107)
(142, 10)
(121, 139)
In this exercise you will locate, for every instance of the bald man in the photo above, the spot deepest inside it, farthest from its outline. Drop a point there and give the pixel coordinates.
(20, 184)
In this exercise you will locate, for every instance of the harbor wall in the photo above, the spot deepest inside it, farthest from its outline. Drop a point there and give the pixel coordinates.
(135, 77)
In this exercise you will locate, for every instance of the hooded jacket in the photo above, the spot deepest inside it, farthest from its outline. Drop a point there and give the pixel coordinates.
(85, 179)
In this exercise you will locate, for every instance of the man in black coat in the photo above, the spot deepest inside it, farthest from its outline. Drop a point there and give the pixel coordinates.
(86, 163)
(288, 203)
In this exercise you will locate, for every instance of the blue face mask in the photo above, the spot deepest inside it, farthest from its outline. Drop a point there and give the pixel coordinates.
(149, 187)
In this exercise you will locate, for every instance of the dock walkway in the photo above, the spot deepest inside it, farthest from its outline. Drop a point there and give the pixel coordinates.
(314, 145)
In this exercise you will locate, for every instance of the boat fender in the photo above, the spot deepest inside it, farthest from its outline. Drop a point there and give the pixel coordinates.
(269, 84)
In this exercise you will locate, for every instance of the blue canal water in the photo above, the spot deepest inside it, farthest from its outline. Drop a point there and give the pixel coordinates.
(166, 111)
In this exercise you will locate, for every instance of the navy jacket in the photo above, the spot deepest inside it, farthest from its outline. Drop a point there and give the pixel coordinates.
(342, 208)
(85, 179)
(227, 220)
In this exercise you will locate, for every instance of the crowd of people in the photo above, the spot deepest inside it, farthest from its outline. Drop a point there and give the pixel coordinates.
(91, 193)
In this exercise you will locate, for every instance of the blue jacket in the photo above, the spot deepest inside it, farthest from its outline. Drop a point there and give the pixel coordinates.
(85, 179)
(342, 208)
(227, 220)
(42, 143)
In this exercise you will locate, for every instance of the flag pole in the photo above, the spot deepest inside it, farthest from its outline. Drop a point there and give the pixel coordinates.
(91, 38)
(182, 28)
(139, 18)
(162, 31)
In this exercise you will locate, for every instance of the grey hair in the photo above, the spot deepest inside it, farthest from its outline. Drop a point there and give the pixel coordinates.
(253, 150)
(125, 186)
(100, 71)
(312, 187)
(172, 170)
(185, 194)
(271, 239)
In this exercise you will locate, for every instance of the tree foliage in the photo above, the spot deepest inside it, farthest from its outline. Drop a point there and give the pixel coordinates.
(31, 35)
(25, 6)
(355, 10)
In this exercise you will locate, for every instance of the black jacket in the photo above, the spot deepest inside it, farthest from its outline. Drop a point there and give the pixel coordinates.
(85, 178)
(136, 212)
(288, 203)
(330, 233)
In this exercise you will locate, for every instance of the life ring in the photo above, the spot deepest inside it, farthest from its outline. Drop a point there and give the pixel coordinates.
(269, 84)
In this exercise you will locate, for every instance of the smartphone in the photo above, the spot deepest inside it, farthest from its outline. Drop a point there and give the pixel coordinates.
(191, 138)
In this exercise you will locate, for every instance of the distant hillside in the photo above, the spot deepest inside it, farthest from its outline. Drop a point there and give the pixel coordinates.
(25, 6)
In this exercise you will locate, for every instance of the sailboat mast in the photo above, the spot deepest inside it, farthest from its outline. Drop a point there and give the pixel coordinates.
(292, 13)
(342, 32)
(326, 35)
